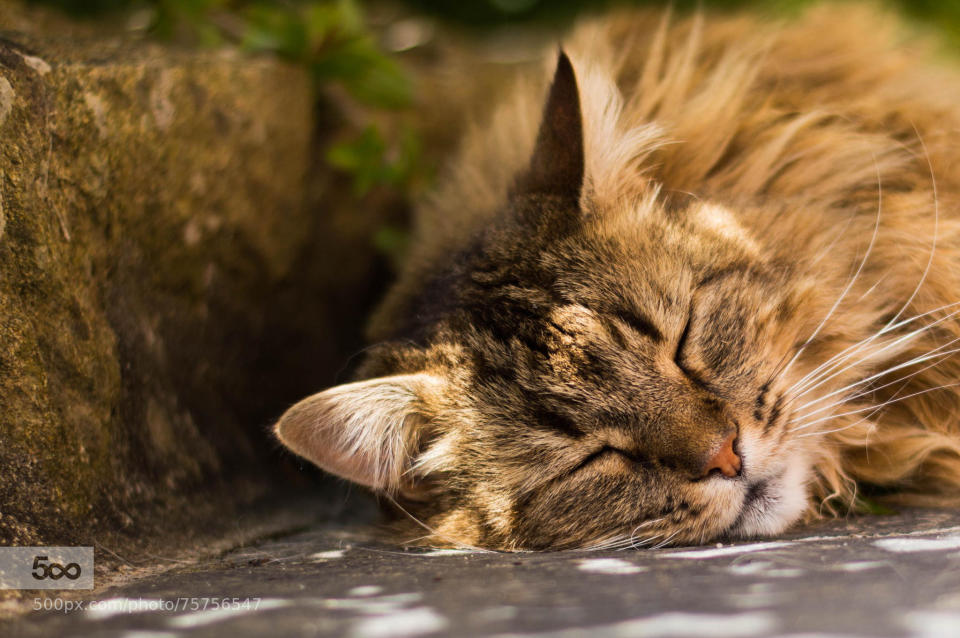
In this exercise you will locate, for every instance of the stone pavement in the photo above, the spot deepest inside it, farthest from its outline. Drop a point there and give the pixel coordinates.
(893, 575)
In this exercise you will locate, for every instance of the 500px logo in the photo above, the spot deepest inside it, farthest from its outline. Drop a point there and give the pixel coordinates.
(46, 567)
(42, 569)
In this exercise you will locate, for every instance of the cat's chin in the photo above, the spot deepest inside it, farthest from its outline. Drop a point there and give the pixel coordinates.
(771, 505)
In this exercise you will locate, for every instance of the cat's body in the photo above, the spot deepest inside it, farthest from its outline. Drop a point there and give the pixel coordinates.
(673, 322)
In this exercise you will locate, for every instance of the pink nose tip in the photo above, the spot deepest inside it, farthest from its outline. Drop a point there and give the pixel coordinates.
(724, 459)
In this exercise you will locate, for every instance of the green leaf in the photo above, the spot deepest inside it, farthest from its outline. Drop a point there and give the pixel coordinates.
(865, 505)
(392, 242)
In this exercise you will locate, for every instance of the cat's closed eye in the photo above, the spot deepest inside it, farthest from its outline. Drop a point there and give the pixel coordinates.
(682, 343)
(641, 325)
(608, 452)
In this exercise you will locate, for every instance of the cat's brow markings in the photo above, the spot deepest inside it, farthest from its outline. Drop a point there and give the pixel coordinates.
(761, 401)
(556, 421)
(775, 413)
(724, 273)
(641, 325)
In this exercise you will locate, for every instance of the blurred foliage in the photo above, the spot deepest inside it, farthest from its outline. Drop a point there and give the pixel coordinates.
(944, 14)
(327, 37)
(866, 505)
(486, 13)
(372, 162)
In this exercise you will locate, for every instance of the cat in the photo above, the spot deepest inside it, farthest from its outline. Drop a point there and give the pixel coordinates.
(705, 285)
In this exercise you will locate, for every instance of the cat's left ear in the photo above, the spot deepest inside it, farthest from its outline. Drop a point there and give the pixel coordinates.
(366, 432)
(557, 165)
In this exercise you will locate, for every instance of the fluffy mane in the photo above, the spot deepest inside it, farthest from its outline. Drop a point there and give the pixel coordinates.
(834, 140)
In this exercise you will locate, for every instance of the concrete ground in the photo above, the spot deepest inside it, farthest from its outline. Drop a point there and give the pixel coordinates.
(896, 575)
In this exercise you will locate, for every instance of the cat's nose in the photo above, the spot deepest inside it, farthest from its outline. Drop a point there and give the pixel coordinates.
(724, 459)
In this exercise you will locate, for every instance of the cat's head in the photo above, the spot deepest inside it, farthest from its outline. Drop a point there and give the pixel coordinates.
(580, 377)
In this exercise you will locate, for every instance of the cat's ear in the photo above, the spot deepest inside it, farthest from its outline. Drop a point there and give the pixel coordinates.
(556, 167)
(362, 431)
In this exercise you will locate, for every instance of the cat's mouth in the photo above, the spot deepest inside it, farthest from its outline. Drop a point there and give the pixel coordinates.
(760, 500)
(772, 503)
(759, 491)
(755, 503)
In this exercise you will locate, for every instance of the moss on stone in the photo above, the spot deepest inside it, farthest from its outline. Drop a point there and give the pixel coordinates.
(166, 282)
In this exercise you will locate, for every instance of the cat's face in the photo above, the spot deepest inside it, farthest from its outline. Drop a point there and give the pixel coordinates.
(581, 378)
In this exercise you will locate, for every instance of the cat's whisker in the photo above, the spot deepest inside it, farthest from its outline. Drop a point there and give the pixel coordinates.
(876, 408)
(856, 346)
(633, 534)
(871, 407)
(635, 542)
(856, 275)
(830, 374)
(780, 368)
(667, 540)
(936, 213)
(918, 359)
(836, 240)
(615, 544)
(639, 544)
(417, 539)
(848, 352)
(846, 427)
(434, 533)
(602, 545)
(870, 390)
(870, 290)
(933, 245)
(621, 541)
(940, 357)
(652, 521)
(904, 380)
(855, 423)
(610, 544)
(936, 225)
(933, 354)
(628, 542)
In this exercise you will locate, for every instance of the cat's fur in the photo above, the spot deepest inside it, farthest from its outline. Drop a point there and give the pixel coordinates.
(748, 225)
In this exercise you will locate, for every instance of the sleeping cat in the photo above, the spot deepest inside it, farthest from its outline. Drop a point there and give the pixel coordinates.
(702, 286)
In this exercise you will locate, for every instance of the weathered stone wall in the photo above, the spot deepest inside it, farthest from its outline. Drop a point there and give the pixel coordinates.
(167, 282)
(178, 265)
